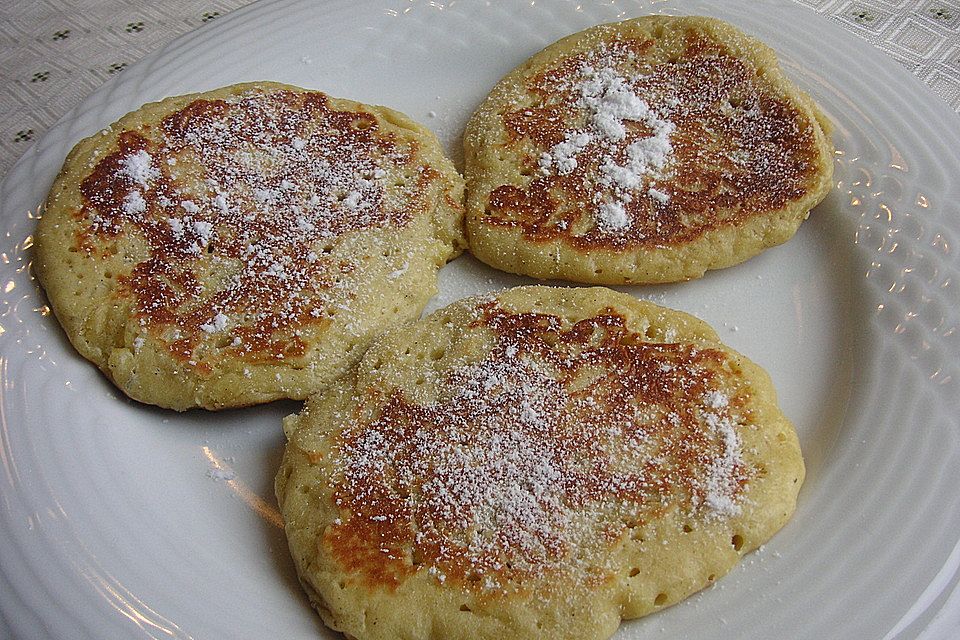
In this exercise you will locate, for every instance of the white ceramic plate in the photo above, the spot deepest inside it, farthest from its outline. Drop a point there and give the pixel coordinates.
(121, 521)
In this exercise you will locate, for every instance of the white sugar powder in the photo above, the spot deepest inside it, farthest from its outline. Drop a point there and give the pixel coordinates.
(720, 486)
(646, 157)
(650, 155)
(716, 399)
(612, 216)
(659, 196)
(352, 200)
(305, 225)
(217, 324)
(613, 174)
(495, 472)
(204, 231)
(133, 203)
(264, 195)
(610, 102)
(221, 203)
(563, 156)
(139, 168)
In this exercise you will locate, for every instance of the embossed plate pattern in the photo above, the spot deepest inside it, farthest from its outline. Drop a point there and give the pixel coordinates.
(119, 520)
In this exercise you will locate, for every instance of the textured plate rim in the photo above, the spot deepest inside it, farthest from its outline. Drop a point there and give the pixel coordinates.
(66, 132)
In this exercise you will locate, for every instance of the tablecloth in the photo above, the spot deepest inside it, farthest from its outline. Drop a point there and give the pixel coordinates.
(53, 53)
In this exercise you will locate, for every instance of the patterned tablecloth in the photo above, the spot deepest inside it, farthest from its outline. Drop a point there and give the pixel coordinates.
(54, 53)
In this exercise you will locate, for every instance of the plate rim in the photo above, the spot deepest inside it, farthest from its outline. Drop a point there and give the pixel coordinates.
(46, 142)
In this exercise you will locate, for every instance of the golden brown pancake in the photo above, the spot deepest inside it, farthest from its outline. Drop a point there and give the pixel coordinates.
(649, 150)
(242, 245)
(539, 464)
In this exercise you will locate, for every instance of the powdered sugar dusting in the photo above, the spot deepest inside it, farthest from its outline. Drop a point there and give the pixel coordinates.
(611, 216)
(563, 157)
(686, 136)
(611, 102)
(659, 196)
(527, 461)
(255, 189)
(133, 203)
(218, 323)
(138, 167)
(719, 486)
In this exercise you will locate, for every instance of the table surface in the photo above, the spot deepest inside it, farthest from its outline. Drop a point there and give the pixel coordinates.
(55, 53)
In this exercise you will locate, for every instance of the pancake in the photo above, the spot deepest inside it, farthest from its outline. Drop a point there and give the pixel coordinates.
(238, 246)
(539, 464)
(646, 151)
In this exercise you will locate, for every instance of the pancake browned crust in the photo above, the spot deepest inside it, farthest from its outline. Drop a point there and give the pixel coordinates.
(539, 464)
(245, 244)
(645, 151)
